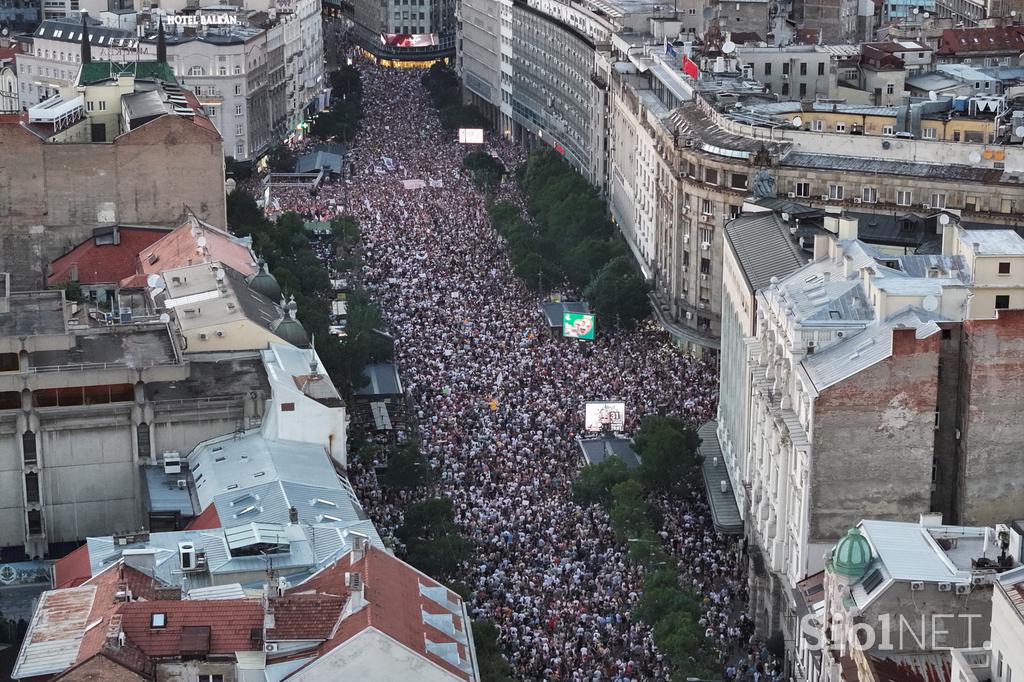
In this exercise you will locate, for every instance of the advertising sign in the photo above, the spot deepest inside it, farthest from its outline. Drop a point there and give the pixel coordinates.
(578, 325)
(599, 417)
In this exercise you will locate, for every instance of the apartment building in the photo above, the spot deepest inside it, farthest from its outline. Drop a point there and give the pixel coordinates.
(796, 71)
(863, 354)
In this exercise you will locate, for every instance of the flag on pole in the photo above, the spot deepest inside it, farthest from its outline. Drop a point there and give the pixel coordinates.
(690, 67)
(669, 50)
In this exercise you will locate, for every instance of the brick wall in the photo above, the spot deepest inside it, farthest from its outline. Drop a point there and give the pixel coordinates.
(53, 195)
(872, 438)
(992, 434)
(101, 669)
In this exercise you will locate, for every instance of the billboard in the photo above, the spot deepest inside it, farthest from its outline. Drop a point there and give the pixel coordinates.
(578, 325)
(604, 416)
(471, 135)
(409, 39)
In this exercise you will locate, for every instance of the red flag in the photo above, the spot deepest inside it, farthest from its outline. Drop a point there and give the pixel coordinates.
(690, 67)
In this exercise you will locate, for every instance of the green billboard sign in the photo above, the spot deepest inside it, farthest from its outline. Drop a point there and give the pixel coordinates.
(578, 325)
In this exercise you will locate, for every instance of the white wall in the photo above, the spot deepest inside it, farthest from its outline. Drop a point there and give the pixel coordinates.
(371, 656)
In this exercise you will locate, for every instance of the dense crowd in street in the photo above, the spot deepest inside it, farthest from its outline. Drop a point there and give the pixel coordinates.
(499, 403)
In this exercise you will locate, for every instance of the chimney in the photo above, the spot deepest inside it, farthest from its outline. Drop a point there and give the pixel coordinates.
(847, 227)
(293, 515)
(821, 247)
(115, 635)
(931, 520)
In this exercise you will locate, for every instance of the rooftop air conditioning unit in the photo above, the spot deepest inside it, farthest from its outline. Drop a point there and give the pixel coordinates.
(172, 463)
(824, 197)
(182, 483)
(857, 200)
(926, 206)
(963, 589)
(270, 647)
(916, 586)
(705, 245)
(945, 587)
(791, 195)
(689, 315)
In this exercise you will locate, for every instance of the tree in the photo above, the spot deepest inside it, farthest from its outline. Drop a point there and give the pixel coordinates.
(618, 294)
(492, 664)
(596, 481)
(433, 544)
(407, 468)
(345, 231)
(668, 452)
(485, 170)
(244, 216)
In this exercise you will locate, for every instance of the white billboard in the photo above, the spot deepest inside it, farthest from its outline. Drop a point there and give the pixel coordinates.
(604, 416)
(471, 135)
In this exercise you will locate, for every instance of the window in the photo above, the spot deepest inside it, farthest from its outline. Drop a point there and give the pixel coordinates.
(35, 522)
(869, 195)
(238, 69)
(768, 69)
(32, 488)
(28, 447)
(739, 181)
(158, 620)
(803, 89)
(841, 127)
(238, 89)
(238, 129)
(196, 71)
(211, 678)
(817, 125)
(103, 105)
(904, 197)
(239, 150)
(785, 89)
(711, 176)
(938, 200)
(89, 105)
(222, 70)
(889, 130)
(999, 665)
(1002, 302)
(706, 207)
(1009, 673)
(803, 189)
(803, 68)
(835, 192)
(734, 211)
(890, 89)
(928, 133)
(785, 68)
(142, 438)
(1004, 268)
(821, 68)
(705, 266)
(238, 110)
(706, 235)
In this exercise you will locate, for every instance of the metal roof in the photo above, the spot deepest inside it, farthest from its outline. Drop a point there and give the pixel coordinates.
(856, 164)
(229, 591)
(763, 248)
(724, 511)
(164, 493)
(994, 242)
(909, 552)
(597, 450)
(383, 380)
(55, 634)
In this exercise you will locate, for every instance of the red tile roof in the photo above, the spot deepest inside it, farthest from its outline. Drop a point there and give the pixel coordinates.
(394, 605)
(74, 569)
(1009, 39)
(231, 623)
(179, 248)
(205, 521)
(106, 263)
(306, 617)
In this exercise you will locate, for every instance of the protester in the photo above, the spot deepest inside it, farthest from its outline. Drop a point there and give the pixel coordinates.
(499, 403)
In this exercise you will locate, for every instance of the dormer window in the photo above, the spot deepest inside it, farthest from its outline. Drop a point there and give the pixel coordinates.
(158, 621)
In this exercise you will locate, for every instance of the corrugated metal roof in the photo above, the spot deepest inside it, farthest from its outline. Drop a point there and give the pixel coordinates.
(55, 634)
(848, 357)
(229, 591)
(724, 511)
(856, 164)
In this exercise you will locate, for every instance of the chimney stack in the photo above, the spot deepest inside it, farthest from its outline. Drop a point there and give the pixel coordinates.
(115, 635)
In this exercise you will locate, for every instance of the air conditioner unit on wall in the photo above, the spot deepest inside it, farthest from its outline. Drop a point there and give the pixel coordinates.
(916, 585)
(963, 589)
(270, 647)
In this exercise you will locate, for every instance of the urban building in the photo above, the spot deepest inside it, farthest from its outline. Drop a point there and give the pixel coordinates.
(835, 20)
(994, 46)
(830, 339)
(18, 15)
(138, 151)
(404, 32)
(897, 591)
(799, 72)
(365, 613)
(747, 16)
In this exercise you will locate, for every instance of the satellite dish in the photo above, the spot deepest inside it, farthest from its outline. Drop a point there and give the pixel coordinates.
(201, 242)
(916, 10)
(4, 31)
(926, 15)
(944, 219)
(930, 303)
(975, 157)
(1019, 131)
(154, 281)
(728, 47)
(932, 95)
(797, 121)
(1013, 13)
(164, 318)
(886, 144)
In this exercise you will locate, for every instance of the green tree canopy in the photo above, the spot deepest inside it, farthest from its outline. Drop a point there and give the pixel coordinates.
(433, 543)
(668, 451)
(595, 482)
(618, 293)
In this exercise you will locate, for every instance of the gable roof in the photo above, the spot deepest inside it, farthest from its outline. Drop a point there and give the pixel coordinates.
(981, 40)
(763, 248)
(95, 262)
(230, 624)
(305, 616)
(180, 248)
(404, 604)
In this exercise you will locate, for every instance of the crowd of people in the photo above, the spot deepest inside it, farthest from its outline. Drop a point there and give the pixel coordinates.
(499, 404)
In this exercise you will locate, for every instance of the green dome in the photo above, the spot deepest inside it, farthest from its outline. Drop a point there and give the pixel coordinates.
(264, 283)
(851, 555)
(289, 328)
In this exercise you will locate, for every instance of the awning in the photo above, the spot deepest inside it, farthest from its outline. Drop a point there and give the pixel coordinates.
(724, 512)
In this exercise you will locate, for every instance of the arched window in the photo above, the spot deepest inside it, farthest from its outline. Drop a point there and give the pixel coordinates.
(28, 447)
(142, 432)
(196, 71)
(32, 487)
